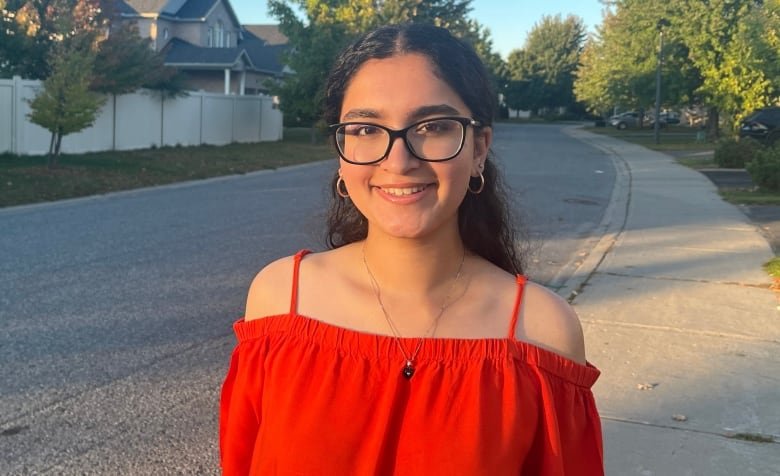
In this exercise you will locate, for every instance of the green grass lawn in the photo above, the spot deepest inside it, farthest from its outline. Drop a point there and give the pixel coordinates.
(672, 138)
(26, 179)
(751, 197)
(682, 143)
(772, 267)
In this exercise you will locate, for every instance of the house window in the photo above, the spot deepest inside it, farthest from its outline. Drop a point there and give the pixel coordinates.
(227, 39)
(220, 35)
(210, 37)
(165, 34)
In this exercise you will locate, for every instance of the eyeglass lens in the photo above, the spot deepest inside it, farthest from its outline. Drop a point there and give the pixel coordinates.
(438, 139)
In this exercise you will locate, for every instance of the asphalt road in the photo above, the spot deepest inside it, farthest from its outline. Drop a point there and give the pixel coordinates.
(115, 311)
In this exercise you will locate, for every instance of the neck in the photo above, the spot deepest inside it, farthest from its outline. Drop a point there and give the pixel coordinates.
(413, 267)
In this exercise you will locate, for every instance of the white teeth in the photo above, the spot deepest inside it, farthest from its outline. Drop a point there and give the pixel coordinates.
(403, 191)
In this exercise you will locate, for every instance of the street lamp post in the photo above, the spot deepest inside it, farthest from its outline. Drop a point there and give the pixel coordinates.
(657, 122)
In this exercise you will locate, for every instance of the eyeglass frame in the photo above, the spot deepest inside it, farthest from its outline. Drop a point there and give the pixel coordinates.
(401, 133)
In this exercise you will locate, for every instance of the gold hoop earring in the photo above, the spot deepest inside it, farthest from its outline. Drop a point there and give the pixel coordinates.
(481, 185)
(339, 186)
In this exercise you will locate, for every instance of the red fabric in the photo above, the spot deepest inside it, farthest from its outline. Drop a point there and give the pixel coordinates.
(303, 397)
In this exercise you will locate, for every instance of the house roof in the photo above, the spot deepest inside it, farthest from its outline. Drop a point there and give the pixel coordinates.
(266, 58)
(173, 9)
(184, 54)
(141, 6)
(197, 8)
(255, 55)
(266, 54)
(270, 34)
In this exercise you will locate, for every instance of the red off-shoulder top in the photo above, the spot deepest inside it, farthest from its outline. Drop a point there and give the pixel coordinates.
(303, 397)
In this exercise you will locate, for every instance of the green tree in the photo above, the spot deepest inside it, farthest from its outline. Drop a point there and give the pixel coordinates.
(518, 94)
(762, 30)
(548, 60)
(125, 62)
(29, 29)
(618, 64)
(723, 54)
(481, 40)
(65, 104)
(715, 33)
(18, 54)
(319, 29)
(450, 14)
(314, 44)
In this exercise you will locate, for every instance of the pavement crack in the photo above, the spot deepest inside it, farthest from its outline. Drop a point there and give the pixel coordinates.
(687, 280)
(680, 330)
(770, 439)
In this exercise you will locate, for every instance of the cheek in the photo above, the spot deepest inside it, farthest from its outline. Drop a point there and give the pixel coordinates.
(458, 176)
(355, 177)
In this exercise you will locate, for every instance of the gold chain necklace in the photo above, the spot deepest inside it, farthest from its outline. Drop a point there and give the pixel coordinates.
(408, 369)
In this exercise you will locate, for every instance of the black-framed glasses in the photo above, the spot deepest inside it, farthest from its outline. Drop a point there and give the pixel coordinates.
(432, 140)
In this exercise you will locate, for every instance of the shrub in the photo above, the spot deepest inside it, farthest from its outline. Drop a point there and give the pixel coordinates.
(764, 169)
(734, 154)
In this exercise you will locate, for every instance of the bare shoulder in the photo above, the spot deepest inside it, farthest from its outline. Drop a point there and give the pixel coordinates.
(548, 321)
(270, 291)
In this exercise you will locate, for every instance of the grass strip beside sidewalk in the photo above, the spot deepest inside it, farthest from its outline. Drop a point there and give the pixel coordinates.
(26, 179)
(682, 143)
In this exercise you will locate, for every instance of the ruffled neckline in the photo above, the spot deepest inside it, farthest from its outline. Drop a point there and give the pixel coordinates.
(439, 349)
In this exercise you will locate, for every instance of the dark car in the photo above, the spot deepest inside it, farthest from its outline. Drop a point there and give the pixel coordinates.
(669, 117)
(763, 125)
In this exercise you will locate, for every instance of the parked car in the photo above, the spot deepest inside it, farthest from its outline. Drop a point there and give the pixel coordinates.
(668, 117)
(625, 120)
(762, 125)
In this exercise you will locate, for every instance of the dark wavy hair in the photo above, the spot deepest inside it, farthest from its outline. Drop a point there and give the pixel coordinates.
(484, 220)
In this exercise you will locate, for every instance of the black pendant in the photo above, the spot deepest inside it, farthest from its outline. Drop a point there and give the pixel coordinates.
(408, 370)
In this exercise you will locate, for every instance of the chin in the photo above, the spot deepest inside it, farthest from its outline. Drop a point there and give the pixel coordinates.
(413, 229)
(405, 231)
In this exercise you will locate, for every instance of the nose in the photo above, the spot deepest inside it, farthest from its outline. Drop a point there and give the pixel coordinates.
(399, 158)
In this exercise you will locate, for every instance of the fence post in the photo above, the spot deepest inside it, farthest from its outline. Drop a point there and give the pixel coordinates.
(16, 97)
(113, 121)
(260, 119)
(162, 120)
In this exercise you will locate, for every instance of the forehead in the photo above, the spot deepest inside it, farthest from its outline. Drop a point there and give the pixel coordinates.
(394, 87)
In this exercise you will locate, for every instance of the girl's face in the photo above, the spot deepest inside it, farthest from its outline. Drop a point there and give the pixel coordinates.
(403, 196)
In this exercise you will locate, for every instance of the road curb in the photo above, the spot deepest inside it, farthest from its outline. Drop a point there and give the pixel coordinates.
(140, 190)
(575, 277)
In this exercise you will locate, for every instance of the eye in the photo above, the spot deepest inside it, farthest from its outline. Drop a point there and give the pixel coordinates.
(361, 130)
(435, 127)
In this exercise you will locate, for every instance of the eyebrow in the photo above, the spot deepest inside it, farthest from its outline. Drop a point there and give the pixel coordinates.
(419, 113)
(433, 110)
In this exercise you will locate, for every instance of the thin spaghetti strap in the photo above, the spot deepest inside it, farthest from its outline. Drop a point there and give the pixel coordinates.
(296, 268)
(516, 311)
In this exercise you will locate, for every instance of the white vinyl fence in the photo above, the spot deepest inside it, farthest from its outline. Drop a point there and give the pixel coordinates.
(141, 120)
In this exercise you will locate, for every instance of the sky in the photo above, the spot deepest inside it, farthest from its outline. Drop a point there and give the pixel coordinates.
(509, 21)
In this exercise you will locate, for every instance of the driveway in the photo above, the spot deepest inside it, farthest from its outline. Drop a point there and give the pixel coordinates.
(766, 217)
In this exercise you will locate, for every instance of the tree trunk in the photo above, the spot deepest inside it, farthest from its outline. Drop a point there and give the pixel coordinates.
(57, 149)
(50, 155)
(713, 124)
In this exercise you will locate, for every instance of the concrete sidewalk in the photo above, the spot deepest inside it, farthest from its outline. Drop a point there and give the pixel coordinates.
(679, 317)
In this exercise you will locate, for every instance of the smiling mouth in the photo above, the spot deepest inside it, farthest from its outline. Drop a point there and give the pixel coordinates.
(400, 192)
